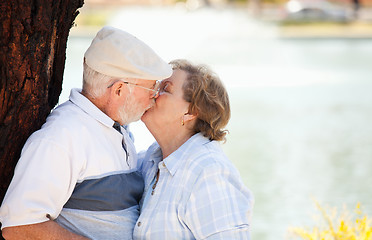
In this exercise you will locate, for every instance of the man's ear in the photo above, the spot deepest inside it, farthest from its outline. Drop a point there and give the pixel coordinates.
(117, 89)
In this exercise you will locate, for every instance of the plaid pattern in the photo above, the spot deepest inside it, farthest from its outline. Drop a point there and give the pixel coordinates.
(199, 195)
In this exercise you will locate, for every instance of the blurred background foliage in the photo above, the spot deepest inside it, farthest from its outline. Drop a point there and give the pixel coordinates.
(314, 17)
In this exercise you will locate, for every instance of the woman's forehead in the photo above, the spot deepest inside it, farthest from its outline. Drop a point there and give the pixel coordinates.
(179, 76)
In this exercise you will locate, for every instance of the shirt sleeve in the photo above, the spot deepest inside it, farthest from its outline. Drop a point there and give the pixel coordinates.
(44, 179)
(146, 160)
(219, 206)
(140, 158)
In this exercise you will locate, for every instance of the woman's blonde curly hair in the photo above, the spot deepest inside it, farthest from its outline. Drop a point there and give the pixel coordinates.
(208, 99)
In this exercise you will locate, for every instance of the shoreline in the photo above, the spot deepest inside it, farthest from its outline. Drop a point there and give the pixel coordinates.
(94, 16)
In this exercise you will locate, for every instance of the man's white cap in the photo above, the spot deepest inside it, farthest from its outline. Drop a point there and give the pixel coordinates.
(117, 53)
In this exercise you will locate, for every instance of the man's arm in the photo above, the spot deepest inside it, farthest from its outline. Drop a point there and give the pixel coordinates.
(44, 230)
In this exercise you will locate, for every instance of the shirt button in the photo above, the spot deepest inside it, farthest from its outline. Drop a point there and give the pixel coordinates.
(163, 164)
(139, 224)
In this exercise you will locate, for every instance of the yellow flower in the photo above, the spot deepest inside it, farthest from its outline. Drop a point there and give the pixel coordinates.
(337, 227)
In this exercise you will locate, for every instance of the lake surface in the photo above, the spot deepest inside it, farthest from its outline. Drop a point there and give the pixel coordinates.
(301, 108)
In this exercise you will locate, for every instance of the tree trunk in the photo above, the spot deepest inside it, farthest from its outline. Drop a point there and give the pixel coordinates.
(33, 37)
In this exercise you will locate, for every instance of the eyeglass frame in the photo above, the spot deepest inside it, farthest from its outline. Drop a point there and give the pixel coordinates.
(156, 87)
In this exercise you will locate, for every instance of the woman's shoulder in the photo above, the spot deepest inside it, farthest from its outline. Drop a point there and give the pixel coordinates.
(208, 154)
(209, 160)
(211, 169)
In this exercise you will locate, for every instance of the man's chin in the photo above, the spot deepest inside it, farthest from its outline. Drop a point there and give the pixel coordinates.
(132, 119)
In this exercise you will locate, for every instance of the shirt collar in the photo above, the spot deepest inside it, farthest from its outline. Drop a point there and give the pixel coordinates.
(87, 106)
(176, 159)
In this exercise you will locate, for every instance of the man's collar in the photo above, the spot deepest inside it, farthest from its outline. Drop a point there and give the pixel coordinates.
(87, 106)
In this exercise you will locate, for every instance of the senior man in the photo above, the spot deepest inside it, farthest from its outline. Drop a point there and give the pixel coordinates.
(78, 176)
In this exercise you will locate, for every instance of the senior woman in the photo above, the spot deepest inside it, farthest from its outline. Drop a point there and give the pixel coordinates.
(192, 190)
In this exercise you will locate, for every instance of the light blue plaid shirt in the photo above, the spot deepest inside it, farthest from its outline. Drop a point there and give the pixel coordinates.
(199, 195)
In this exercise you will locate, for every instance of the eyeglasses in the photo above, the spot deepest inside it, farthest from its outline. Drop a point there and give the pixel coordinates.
(155, 89)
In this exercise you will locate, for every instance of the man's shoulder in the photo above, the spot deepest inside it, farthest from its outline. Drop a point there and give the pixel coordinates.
(66, 112)
(66, 120)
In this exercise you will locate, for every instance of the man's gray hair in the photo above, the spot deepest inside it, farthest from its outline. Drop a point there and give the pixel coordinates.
(95, 83)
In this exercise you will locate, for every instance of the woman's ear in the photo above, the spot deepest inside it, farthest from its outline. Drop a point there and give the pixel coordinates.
(189, 117)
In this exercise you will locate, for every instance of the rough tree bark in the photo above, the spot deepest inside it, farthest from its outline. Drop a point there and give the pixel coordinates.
(33, 36)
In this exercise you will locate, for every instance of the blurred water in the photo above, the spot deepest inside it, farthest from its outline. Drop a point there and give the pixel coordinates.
(301, 109)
